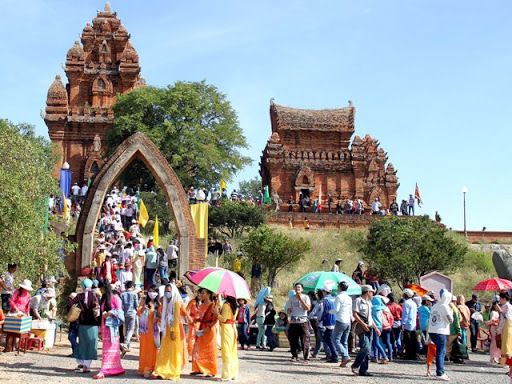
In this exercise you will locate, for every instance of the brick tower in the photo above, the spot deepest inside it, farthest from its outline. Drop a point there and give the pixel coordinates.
(311, 150)
(79, 114)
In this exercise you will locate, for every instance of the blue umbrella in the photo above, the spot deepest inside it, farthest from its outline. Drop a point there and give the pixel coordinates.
(259, 299)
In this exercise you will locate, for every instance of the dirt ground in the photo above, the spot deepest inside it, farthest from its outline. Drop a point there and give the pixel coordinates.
(54, 366)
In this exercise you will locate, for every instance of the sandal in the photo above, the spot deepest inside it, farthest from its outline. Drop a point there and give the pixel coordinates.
(99, 376)
(79, 369)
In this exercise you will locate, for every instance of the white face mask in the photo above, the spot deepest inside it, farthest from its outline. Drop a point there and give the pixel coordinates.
(152, 295)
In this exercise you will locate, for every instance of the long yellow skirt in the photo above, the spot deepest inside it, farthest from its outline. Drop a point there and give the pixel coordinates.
(169, 361)
(228, 335)
(506, 341)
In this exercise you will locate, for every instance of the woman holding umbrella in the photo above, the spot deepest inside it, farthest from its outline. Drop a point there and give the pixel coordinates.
(204, 356)
(227, 319)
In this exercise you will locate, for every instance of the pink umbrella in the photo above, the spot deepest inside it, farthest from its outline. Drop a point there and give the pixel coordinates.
(494, 284)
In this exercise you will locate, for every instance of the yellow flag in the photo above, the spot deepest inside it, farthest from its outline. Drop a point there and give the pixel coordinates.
(200, 216)
(223, 185)
(143, 214)
(65, 210)
(155, 232)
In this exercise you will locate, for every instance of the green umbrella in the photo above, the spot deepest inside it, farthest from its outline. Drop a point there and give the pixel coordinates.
(314, 281)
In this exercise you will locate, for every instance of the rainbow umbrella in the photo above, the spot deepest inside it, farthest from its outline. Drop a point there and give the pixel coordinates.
(493, 285)
(222, 282)
(314, 281)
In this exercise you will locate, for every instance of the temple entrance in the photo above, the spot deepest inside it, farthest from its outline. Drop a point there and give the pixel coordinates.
(192, 250)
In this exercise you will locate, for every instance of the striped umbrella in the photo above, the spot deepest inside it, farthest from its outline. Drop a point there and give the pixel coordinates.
(222, 282)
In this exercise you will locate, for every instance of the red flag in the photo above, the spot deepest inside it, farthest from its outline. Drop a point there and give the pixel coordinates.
(417, 195)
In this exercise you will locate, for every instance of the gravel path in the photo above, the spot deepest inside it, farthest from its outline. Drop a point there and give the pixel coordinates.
(255, 367)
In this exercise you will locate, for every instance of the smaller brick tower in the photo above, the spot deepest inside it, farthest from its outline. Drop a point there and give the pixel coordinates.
(79, 115)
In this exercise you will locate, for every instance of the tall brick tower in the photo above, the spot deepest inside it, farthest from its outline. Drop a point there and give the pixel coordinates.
(79, 115)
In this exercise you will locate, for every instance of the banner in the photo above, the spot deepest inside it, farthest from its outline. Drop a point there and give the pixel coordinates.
(143, 214)
(155, 233)
(417, 195)
(200, 216)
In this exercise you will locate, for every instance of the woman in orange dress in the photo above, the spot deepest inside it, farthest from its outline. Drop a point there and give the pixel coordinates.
(149, 332)
(193, 311)
(204, 355)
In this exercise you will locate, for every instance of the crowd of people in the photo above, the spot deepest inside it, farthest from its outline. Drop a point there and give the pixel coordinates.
(173, 324)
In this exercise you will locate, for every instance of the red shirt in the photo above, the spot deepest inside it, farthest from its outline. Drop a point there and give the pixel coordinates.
(396, 311)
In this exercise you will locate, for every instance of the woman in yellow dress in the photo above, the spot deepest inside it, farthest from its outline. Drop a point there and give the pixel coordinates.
(228, 332)
(172, 355)
(204, 357)
(149, 332)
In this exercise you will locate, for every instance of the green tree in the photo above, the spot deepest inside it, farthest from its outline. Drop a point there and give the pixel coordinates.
(193, 125)
(26, 184)
(250, 187)
(403, 250)
(274, 251)
(232, 218)
(156, 204)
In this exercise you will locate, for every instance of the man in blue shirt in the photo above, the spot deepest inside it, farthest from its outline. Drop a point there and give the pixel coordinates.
(409, 313)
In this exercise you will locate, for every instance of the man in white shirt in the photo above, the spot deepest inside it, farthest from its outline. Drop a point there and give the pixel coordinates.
(336, 266)
(172, 251)
(83, 192)
(362, 312)
(376, 205)
(343, 311)
(298, 307)
(127, 256)
(75, 190)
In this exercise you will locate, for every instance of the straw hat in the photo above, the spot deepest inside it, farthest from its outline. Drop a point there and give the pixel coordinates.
(27, 284)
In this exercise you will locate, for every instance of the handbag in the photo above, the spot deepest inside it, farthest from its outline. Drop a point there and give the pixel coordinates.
(74, 313)
(460, 350)
(498, 341)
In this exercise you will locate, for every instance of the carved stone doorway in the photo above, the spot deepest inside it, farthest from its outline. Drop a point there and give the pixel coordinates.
(192, 250)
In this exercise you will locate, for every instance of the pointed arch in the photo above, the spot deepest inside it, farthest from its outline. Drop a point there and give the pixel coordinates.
(192, 250)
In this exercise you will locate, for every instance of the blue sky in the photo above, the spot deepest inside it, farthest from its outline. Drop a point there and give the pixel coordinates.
(430, 79)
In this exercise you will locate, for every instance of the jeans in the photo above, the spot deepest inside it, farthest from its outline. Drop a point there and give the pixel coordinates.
(474, 328)
(261, 341)
(340, 338)
(73, 335)
(242, 334)
(397, 341)
(377, 348)
(150, 276)
(330, 345)
(271, 341)
(361, 363)
(385, 337)
(129, 323)
(163, 273)
(411, 209)
(440, 342)
(319, 341)
(296, 332)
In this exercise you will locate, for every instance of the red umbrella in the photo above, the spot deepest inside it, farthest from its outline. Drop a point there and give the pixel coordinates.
(494, 284)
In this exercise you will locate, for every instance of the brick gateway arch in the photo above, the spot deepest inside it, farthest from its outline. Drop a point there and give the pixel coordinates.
(192, 249)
